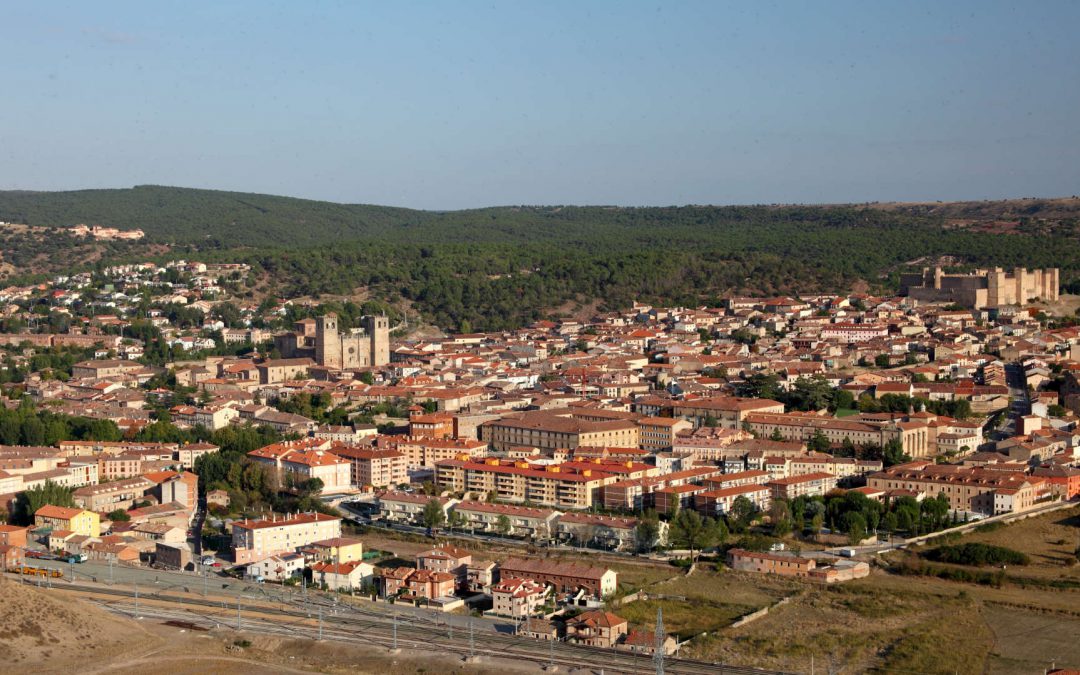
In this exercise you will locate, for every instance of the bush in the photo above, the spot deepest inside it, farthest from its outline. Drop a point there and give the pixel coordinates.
(978, 554)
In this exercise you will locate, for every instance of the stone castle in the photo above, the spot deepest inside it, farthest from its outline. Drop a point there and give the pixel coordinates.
(320, 340)
(982, 288)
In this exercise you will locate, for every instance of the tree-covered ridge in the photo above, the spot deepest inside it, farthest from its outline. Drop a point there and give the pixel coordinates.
(501, 267)
(211, 218)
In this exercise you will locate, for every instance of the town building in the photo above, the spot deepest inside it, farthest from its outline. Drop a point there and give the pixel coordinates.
(256, 539)
(327, 346)
(77, 521)
(566, 577)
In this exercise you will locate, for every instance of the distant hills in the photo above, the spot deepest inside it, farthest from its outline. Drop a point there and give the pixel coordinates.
(186, 215)
(500, 267)
(221, 219)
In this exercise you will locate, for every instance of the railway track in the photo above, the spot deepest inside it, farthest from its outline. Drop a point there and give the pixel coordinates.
(358, 625)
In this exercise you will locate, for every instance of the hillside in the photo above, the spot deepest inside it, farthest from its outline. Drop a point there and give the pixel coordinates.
(502, 267)
(212, 217)
(40, 628)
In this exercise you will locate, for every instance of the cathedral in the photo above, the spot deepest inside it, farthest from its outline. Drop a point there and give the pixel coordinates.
(320, 340)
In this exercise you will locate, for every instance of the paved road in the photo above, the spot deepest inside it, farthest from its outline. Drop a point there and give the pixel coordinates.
(363, 624)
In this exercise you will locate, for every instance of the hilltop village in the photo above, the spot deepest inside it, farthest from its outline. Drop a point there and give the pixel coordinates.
(153, 416)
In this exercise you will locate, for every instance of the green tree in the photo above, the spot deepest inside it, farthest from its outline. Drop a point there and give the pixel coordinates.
(433, 515)
(855, 525)
(819, 442)
(690, 531)
(742, 514)
(119, 516)
(502, 524)
(29, 501)
(893, 453)
(647, 531)
(456, 520)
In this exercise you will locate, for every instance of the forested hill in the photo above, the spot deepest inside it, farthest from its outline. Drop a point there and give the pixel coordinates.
(502, 267)
(218, 219)
(206, 217)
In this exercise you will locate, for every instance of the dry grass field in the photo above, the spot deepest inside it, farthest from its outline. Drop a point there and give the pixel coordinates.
(891, 623)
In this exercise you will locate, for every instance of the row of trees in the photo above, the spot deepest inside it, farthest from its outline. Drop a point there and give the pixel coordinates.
(858, 516)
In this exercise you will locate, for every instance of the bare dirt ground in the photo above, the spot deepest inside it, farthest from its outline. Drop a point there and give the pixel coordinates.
(1066, 305)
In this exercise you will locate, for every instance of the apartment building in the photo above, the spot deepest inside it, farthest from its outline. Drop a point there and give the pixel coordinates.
(212, 418)
(375, 467)
(545, 430)
(406, 507)
(448, 559)
(78, 521)
(114, 467)
(434, 425)
(518, 598)
(566, 577)
(610, 532)
(524, 521)
(256, 539)
(914, 437)
(119, 494)
(422, 452)
(810, 485)
(186, 455)
(968, 488)
(306, 459)
(718, 501)
(639, 493)
(659, 433)
(519, 482)
(728, 411)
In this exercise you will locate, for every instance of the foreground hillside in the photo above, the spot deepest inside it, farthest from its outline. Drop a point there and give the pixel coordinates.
(51, 631)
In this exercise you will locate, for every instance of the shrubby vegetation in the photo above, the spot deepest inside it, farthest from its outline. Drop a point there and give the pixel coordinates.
(978, 554)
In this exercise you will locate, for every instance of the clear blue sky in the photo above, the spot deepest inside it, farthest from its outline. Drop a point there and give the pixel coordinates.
(461, 104)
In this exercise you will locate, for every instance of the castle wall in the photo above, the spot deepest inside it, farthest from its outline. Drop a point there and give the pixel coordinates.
(985, 288)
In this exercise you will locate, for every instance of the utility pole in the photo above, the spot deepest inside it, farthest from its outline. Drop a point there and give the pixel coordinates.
(238, 624)
(658, 648)
(551, 653)
(136, 601)
(395, 630)
(320, 622)
(206, 581)
(472, 639)
(110, 571)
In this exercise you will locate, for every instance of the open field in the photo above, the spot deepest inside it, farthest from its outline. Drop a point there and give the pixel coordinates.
(705, 601)
(858, 627)
(888, 622)
(1026, 642)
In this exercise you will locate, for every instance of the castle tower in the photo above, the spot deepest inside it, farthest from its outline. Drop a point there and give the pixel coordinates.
(378, 330)
(327, 341)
